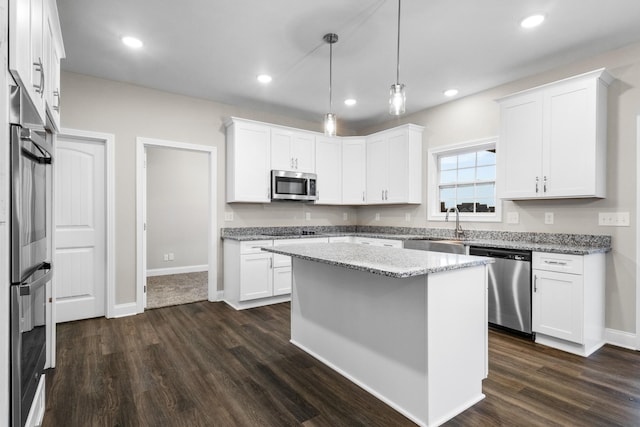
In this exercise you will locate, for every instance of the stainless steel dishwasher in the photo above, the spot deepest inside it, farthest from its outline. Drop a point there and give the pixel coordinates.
(509, 287)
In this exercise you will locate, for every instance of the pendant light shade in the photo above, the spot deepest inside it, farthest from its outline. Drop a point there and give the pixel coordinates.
(330, 124)
(397, 95)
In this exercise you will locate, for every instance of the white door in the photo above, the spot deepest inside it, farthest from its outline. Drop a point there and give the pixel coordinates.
(80, 255)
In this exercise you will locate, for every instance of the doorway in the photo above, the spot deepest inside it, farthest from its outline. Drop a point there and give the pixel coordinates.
(164, 258)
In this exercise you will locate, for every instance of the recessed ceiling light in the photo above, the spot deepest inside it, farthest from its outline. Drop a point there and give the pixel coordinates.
(132, 42)
(350, 102)
(451, 92)
(532, 21)
(264, 78)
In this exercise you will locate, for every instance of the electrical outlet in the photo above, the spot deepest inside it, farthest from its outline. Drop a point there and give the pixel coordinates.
(613, 219)
(513, 218)
(407, 217)
(165, 257)
(228, 216)
(171, 256)
(377, 216)
(548, 217)
(307, 216)
(345, 216)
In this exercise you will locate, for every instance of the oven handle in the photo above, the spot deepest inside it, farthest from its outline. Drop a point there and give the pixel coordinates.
(28, 289)
(42, 160)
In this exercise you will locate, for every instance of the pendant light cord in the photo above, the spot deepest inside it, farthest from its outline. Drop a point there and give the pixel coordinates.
(398, 51)
(330, 76)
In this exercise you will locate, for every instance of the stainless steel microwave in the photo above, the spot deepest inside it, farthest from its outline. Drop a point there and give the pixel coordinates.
(289, 185)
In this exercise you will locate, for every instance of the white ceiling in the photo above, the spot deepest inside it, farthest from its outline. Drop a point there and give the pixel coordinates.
(214, 49)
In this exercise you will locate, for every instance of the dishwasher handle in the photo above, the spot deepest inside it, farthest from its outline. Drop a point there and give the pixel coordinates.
(516, 254)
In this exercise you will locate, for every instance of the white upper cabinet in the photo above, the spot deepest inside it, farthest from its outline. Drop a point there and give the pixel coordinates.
(53, 52)
(354, 172)
(26, 19)
(248, 161)
(394, 166)
(553, 139)
(292, 150)
(329, 170)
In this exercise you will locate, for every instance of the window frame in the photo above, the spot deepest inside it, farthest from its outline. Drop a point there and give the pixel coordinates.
(433, 209)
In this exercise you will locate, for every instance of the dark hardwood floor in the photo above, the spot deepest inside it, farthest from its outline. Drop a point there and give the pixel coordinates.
(205, 364)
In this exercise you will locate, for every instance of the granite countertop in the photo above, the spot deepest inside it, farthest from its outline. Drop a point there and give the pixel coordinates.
(558, 246)
(391, 262)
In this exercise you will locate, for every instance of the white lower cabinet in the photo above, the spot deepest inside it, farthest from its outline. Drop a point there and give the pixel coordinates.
(253, 277)
(389, 243)
(568, 301)
(248, 274)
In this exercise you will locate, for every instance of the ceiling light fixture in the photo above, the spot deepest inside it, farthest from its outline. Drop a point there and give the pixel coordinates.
(132, 42)
(532, 21)
(350, 102)
(264, 78)
(397, 95)
(330, 118)
(451, 92)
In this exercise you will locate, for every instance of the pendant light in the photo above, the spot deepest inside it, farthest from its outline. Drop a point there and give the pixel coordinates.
(397, 95)
(330, 118)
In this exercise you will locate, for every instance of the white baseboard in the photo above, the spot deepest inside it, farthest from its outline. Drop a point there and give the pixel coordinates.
(218, 296)
(621, 339)
(177, 270)
(123, 310)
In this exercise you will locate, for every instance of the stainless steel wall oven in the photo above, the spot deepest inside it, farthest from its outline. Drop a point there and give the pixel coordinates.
(31, 251)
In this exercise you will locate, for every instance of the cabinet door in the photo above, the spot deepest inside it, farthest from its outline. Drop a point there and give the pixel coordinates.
(53, 51)
(558, 305)
(256, 277)
(26, 49)
(329, 170)
(397, 190)
(248, 154)
(281, 158)
(570, 140)
(303, 152)
(377, 169)
(281, 281)
(354, 173)
(521, 146)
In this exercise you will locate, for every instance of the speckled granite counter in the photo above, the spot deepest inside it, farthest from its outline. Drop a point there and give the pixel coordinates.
(576, 244)
(391, 262)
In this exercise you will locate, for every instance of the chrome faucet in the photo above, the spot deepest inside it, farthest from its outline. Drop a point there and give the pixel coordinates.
(459, 231)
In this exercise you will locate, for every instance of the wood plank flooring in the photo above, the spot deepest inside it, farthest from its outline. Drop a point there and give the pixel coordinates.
(205, 364)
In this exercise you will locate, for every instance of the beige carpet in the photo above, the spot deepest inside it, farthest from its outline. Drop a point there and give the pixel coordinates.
(175, 289)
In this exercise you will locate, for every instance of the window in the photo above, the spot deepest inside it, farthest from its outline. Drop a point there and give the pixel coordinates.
(463, 176)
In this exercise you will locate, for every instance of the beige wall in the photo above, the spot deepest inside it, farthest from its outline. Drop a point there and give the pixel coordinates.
(177, 207)
(129, 111)
(477, 116)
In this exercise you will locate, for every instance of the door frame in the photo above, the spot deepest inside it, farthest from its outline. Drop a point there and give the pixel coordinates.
(141, 210)
(637, 232)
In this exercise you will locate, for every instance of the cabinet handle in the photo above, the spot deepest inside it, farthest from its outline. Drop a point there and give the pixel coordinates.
(39, 68)
(271, 262)
(555, 262)
(291, 162)
(535, 283)
(56, 93)
(382, 194)
(544, 185)
(363, 196)
(296, 164)
(386, 194)
(537, 184)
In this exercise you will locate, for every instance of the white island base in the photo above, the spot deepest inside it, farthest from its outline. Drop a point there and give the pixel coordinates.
(419, 343)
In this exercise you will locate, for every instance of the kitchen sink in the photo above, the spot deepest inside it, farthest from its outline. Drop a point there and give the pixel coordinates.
(448, 246)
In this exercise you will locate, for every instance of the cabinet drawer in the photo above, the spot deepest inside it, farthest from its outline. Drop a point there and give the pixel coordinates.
(254, 246)
(561, 263)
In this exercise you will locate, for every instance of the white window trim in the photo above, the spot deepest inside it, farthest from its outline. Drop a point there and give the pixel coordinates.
(433, 211)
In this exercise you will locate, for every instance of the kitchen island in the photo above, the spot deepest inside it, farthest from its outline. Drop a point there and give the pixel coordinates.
(408, 326)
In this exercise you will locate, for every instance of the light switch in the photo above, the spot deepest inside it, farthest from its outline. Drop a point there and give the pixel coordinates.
(377, 216)
(345, 216)
(407, 217)
(548, 217)
(228, 216)
(613, 219)
(307, 216)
